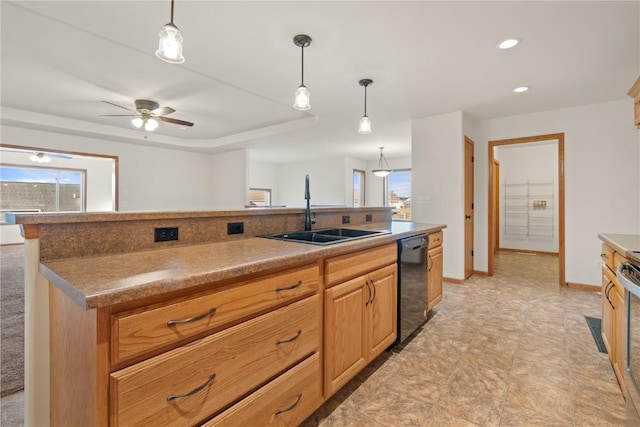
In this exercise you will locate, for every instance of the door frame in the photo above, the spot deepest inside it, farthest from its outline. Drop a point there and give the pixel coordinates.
(559, 137)
(469, 225)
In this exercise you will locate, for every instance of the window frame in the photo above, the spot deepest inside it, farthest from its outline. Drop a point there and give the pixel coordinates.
(265, 190)
(385, 193)
(363, 193)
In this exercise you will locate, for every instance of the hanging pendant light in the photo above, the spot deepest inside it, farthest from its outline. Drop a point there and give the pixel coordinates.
(170, 46)
(302, 101)
(365, 123)
(382, 171)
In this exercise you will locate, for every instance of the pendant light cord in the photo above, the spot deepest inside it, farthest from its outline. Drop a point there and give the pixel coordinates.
(365, 102)
(172, 12)
(302, 77)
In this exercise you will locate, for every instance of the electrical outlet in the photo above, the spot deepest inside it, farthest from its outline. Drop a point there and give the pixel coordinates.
(346, 219)
(235, 227)
(368, 217)
(165, 234)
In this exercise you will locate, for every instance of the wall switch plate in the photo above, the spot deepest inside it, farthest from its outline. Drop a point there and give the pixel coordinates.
(165, 234)
(368, 217)
(346, 219)
(235, 227)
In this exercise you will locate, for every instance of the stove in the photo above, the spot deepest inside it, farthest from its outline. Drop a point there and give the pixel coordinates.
(633, 257)
(629, 275)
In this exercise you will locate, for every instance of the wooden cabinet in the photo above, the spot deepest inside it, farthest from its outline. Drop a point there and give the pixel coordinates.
(613, 312)
(634, 92)
(360, 314)
(434, 273)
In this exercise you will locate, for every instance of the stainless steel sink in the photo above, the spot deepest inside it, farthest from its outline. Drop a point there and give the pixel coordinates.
(328, 236)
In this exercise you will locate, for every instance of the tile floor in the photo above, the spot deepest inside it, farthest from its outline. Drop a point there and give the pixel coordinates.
(510, 350)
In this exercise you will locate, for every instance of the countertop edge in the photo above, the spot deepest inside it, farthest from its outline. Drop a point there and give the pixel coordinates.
(152, 288)
(621, 242)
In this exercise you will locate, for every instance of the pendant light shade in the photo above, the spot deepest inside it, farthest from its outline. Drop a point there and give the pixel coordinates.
(365, 122)
(302, 99)
(150, 124)
(137, 122)
(383, 167)
(170, 45)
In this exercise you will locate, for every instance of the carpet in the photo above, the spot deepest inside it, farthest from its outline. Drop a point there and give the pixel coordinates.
(11, 319)
(595, 326)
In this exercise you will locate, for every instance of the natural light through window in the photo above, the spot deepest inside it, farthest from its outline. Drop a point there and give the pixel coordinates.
(398, 193)
(358, 187)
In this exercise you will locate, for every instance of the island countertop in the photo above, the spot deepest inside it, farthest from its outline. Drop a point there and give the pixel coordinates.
(621, 242)
(101, 281)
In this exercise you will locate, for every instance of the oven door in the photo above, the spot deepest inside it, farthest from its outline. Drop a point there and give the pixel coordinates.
(629, 276)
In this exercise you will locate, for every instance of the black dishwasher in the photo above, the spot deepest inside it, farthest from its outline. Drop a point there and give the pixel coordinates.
(412, 284)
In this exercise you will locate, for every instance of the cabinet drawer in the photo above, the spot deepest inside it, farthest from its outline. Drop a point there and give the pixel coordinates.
(286, 401)
(139, 331)
(435, 239)
(607, 256)
(344, 267)
(215, 371)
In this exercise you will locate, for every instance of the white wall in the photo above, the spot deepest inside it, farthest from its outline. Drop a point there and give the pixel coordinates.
(601, 167)
(264, 175)
(437, 148)
(529, 163)
(326, 182)
(150, 178)
(230, 184)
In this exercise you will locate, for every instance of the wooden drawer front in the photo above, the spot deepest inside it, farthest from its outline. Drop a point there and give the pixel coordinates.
(344, 267)
(241, 358)
(607, 256)
(435, 239)
(286, 401)
(617, 259)
(139, 332)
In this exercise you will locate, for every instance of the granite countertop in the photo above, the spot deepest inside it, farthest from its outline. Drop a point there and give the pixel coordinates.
(101, 281)
(621, 242)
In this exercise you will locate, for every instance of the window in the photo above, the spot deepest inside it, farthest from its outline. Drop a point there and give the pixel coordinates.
(397, 193)
(42, 189)
(259, 197)
(359, 187)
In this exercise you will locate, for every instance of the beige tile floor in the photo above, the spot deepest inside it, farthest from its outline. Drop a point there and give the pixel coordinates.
(510, 350)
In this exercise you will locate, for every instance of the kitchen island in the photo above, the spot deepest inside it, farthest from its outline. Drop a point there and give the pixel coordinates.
(200, 332)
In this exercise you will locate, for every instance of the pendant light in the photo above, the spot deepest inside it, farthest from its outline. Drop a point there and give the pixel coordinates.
(302, 101)
(170, 46)
(382, 171)
(365, 123)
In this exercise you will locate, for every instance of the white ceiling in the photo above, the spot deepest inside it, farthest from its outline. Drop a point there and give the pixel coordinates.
(60, 59)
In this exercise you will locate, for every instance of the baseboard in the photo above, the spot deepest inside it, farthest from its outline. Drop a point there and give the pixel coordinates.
(527, 251)
(450, 280)
(584, 287)
(481, 273)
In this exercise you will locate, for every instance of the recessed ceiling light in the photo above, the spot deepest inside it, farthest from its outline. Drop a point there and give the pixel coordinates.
(521, 89)
(508, 43)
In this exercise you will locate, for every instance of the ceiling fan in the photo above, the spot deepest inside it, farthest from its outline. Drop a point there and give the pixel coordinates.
(38, 156)
(148, 113)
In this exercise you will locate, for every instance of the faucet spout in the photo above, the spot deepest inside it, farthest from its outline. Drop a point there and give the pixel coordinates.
(307, 213)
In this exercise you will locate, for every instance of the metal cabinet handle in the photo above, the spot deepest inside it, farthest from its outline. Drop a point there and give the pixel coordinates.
(604, 256)
(369, 292)
(607, 290)
(194, 391)
(290, 339)
(429, 266)
(375, 292)
(288, 288)
(192, 319)
(288, 408)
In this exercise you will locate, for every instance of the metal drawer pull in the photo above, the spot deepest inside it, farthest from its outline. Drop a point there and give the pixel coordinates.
(288, 408)
(373, 285)
(369, 293)
(290, 339)
(288, 288)
(192, 319)
(194, 391)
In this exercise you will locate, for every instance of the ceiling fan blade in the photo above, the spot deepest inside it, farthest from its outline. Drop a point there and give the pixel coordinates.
(60, 156)
(162, 111)
(175, 121)
(116, 105)
(117, 115)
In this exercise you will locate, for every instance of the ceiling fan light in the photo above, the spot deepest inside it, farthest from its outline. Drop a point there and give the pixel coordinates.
(40, 158)
(150, 125)
(137, 122)
(170, 45)
(303, 101)
(365, 125)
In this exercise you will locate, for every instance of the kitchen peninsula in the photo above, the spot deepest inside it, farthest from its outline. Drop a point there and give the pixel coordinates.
(200, 329)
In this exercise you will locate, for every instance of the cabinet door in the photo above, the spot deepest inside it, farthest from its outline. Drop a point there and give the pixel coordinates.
(434, 277)
(344, 348)
(607, 313)
(382, 310)
(620, 336)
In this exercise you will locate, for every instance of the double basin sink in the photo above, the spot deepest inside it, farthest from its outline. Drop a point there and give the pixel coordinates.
(328, 236)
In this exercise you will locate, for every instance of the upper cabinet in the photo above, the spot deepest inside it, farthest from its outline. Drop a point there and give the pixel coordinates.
(634, 92)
